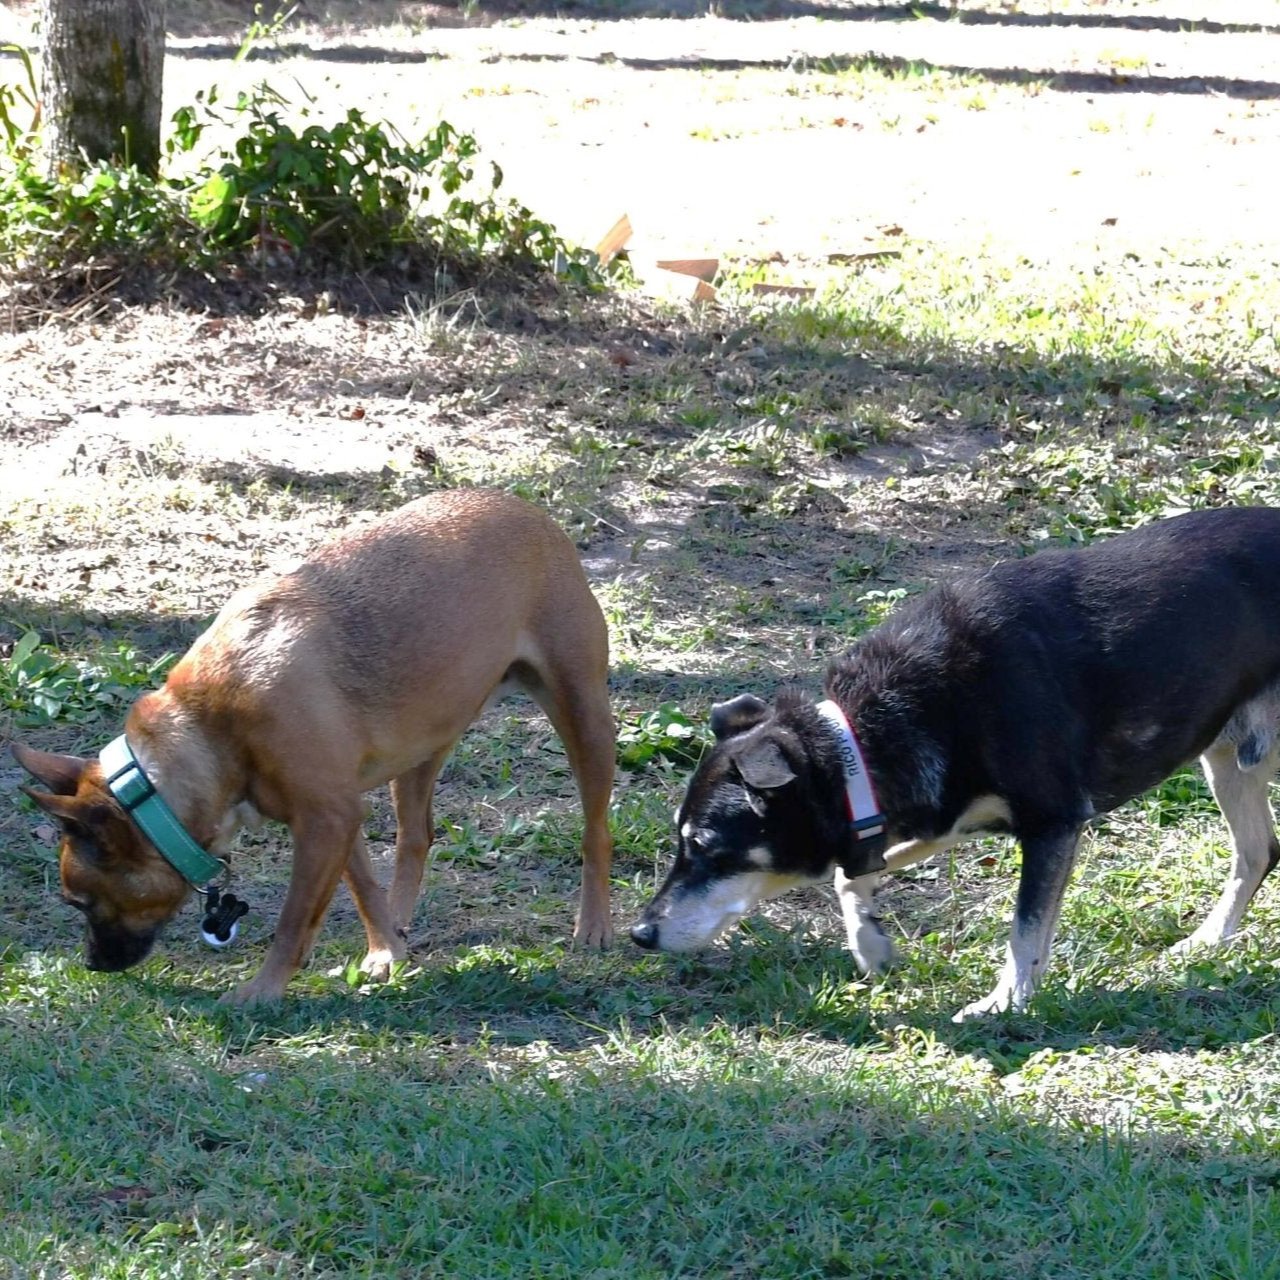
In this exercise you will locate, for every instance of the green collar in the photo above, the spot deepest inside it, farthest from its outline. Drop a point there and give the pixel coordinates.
(138, 797)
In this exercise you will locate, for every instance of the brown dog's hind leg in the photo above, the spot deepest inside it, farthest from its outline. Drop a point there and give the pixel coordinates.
(386, 942)
(577, 704)
(411, 796)
(1242, 796)
(323, 842)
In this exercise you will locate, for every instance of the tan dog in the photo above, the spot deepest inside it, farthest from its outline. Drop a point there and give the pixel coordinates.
(362, 665)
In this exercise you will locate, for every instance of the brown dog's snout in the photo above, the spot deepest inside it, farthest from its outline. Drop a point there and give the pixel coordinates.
(108, 950)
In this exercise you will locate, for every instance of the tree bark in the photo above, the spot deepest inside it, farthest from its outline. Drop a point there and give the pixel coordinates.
(101, 75)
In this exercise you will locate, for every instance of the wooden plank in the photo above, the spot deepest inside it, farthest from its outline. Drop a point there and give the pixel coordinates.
(615, 240)
(672, 285)
(703, 268)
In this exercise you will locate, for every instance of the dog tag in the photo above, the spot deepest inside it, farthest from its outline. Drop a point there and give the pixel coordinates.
(221, 911)
(217, 943)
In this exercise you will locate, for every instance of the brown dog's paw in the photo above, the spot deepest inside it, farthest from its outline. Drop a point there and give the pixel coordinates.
(593, 933)
(377, 965)
(252, 992)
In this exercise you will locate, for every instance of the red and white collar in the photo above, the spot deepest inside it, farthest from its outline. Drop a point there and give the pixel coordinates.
(859, 791)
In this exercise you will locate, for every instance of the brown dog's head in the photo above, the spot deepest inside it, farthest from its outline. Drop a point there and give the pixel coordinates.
(109, 870)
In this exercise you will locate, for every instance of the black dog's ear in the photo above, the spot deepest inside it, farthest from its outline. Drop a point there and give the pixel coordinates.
(728, 719)
(763, 766)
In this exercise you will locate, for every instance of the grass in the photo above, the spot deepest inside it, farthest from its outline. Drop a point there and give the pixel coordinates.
(515, 1110)
(750, 487)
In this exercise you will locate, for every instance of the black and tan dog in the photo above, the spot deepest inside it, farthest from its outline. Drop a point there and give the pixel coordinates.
(1027, 699)
(362, 665)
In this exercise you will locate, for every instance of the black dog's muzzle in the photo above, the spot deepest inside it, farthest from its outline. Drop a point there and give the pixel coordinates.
(645, 934)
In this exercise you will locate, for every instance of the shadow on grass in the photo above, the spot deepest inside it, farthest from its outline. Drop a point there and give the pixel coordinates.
(68, 628)
(775, 984)
(738, 521)
(507, 993)
(1061, 81)
(846, 11)
(715, 1155)
(191, 21)
(242, 284)
(1212, 1008)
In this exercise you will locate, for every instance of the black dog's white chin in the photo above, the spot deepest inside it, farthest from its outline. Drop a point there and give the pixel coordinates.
(109, 950)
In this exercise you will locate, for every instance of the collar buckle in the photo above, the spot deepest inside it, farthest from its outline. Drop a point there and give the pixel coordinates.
(136, 793)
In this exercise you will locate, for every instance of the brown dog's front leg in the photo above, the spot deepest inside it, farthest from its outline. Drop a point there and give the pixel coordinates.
(323, 844)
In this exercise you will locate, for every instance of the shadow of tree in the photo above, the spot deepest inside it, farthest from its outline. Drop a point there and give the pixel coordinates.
(784, 982)
(189, 20)
(815, 1162)
(1058, 80)
(770, 538)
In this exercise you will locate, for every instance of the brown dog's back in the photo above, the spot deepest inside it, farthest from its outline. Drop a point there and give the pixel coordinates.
(354, 635)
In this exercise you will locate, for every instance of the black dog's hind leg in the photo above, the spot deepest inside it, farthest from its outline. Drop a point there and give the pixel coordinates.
(1242, 796)
(1046, 867)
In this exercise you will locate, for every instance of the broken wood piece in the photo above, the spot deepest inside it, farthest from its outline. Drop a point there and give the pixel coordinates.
(703, 268)
(615, 239)
(686, 288)
(659, 282)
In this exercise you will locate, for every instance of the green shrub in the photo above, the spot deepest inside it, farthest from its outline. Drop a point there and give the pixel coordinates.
(107, 209)
(350, 195)
(663, 734)
(39, 685)
(354, 192)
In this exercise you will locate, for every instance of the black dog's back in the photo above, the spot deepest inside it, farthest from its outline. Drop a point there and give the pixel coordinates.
(1073, 680)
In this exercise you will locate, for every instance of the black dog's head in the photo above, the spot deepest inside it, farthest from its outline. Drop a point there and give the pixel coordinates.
(764, 813)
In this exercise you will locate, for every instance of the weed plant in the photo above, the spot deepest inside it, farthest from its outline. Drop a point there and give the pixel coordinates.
(346, 195)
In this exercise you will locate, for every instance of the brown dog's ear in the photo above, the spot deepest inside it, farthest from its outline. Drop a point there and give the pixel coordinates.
(728, 719)
(61, 774)
(78, 815)
(763, 767)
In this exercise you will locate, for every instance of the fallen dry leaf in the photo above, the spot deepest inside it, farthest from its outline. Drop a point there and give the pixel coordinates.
(124, 1195)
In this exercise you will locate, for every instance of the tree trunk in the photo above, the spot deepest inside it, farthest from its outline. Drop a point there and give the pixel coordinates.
(101, 77)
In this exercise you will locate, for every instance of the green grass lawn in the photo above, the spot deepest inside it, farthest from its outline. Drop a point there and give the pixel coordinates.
(516, 1111)
(507, 1107)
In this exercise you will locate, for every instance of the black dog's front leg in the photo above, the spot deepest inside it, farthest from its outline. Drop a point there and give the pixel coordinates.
(1046, 867)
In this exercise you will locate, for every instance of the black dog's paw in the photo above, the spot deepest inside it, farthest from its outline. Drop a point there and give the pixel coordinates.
(872, 948)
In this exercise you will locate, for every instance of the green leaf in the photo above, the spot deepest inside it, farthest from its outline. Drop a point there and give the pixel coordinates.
(209, 202)
(23, 649)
